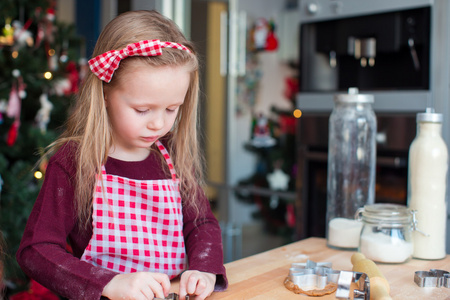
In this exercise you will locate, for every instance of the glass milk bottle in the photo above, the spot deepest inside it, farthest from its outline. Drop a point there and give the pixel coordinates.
(427, 176)
(351, 166)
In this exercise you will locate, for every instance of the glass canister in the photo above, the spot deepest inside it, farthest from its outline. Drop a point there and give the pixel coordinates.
(351, 166)
(386, 232)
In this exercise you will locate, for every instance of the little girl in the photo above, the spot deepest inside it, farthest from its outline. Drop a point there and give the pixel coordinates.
(122, 191)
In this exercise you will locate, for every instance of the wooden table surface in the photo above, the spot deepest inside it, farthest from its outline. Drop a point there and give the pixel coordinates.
(261, 276)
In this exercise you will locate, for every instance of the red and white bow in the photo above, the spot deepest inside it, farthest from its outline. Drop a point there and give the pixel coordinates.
(104, 65)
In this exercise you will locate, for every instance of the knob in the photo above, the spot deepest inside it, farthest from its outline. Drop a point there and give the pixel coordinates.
(312, 8)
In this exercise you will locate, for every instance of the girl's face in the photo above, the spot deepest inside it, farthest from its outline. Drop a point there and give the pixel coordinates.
(143, 106)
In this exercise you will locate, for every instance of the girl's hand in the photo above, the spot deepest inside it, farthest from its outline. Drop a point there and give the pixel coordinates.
(137, 286)
(196, 283)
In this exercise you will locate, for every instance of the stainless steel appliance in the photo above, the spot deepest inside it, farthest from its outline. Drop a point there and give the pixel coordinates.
(397, 50)
(382, 47)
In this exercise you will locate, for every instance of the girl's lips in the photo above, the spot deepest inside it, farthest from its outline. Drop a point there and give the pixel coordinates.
(149, 138)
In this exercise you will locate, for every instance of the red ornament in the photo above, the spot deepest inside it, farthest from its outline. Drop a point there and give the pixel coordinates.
(290, 215)
(287, 124)
(271, 42)
(73, 76)
(291, 88)
(50, 14)
(12, 133)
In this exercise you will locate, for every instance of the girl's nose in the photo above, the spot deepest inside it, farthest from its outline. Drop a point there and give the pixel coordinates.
(156, 121)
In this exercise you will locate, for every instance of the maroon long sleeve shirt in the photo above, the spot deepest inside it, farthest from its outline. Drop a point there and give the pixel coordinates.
(53, 222)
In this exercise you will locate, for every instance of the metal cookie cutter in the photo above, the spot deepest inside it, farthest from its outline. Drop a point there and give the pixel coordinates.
(432, 278)
(172, 296)
(346, 278)
(312, 274)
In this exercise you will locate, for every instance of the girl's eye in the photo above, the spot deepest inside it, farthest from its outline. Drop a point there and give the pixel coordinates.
(172, 109)
(141, 111)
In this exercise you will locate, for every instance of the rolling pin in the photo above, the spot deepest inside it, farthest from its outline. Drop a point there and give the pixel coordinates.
(379, 287)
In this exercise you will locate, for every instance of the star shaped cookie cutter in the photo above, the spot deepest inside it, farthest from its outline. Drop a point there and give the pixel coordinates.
(312, 274)
(318, 275)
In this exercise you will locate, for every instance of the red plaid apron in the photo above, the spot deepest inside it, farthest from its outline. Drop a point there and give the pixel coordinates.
(139, 226)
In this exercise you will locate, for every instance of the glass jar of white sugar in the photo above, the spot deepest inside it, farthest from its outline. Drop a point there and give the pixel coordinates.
(351, 166)
(386, 232)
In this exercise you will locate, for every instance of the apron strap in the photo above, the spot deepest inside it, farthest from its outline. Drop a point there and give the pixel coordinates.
(166, 155)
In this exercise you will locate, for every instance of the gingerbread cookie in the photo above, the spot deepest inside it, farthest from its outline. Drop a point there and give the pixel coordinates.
(328, 289)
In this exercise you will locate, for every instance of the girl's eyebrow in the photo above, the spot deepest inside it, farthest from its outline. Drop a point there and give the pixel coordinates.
(178, 103)
(145, 104)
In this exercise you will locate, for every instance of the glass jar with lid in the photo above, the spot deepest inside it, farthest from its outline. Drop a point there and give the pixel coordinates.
(351, 166)
(386, 232)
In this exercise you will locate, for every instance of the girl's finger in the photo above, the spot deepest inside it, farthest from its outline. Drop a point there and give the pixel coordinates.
(159, 285)
(164, 281)
(200, 287)
(192, 282)
(147, 292)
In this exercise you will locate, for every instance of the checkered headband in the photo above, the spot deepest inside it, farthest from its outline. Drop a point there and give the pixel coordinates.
(104, 65)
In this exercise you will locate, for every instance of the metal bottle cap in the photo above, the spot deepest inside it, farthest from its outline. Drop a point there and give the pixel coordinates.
(353, 96)
(429, 116)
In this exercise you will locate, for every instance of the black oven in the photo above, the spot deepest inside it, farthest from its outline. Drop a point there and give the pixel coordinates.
(395, 134)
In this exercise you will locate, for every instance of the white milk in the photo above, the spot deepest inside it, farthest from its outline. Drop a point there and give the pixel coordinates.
(426, 190)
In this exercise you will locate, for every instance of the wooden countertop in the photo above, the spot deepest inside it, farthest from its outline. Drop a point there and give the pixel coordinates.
(261, 276)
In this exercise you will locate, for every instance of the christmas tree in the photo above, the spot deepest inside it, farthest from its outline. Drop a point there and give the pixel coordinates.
(40, 71)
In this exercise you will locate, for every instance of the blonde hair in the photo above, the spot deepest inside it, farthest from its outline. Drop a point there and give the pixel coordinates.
(89, 126)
